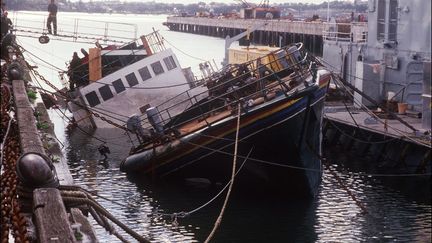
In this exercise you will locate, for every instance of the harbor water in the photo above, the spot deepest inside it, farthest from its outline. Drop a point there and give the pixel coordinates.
(392, 213)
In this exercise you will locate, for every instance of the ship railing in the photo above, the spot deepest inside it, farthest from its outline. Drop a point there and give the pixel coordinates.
(154, 41)
(89, 30)
(217, 101)
(355, 32)
(151, 43)
(190, 100)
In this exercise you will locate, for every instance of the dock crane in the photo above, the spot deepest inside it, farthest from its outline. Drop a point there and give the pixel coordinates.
(229, 40)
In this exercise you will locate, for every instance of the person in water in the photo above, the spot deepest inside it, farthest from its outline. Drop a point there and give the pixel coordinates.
(52, 17)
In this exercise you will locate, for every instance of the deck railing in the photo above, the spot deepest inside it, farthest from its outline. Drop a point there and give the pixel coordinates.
(355, 32)
(226, 90)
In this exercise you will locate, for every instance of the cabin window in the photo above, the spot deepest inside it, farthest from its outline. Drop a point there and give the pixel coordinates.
(157, 68)
(105, 92)
(170, 63)
(393, 18)
(131, 79)
(387, 20)
(118, 86)
(144, 73)
(92, 99)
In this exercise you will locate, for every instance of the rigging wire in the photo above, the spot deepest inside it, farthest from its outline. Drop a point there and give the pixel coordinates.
(185, 53)
(65, 116)
(401, 133)
(49, 64)
(357, 139)
(110, 84)
(185, 214)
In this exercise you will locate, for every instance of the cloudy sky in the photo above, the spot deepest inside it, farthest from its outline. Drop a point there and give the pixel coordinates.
(221, 1)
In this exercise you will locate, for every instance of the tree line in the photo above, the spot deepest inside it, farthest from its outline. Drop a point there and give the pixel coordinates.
(116, 6)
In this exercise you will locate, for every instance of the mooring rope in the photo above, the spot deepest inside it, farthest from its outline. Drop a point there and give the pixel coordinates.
(107, 214)
(185, 214)
(219, 219)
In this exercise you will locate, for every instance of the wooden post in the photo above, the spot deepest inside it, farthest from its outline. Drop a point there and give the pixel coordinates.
(95, 64)
(52, 222)
(146, 45)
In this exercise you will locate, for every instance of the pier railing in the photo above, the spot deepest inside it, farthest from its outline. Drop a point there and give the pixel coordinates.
(274, 25)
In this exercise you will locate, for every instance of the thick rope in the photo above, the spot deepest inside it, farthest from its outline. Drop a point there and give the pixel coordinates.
(185, 214)
(105, 213)
(219, 219)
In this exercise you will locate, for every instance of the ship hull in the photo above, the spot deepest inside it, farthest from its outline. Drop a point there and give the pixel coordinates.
(279, 145)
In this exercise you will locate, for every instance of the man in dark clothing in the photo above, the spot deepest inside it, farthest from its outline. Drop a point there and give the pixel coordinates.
(52, 17)
(73, 72)
(5, 24)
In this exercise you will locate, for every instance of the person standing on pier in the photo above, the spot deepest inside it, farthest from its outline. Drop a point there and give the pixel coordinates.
(6, 24)
(52, 17)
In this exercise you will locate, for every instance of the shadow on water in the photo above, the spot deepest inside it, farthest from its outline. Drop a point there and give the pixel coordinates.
(250, 216)
(416, 188)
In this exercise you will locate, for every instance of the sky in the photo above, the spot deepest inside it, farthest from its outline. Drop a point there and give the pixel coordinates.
(221, 1)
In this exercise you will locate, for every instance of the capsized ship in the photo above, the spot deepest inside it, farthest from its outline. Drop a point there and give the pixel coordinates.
(116, 82)
(279, 98)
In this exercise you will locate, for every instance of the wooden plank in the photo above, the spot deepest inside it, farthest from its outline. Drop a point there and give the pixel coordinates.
(28, 133)
(95, 64)
(51, 219)
(86, 228)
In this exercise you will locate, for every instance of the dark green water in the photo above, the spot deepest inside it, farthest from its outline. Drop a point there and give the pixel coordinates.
(393, 214)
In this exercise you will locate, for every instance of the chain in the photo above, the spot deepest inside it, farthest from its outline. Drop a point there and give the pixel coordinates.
(12, 220)
(76, 103)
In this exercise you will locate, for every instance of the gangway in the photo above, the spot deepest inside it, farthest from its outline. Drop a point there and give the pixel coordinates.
(80, 30)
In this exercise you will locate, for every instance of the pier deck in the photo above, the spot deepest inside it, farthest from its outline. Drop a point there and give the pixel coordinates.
(276, 31)
(387, 145)
(386, 127)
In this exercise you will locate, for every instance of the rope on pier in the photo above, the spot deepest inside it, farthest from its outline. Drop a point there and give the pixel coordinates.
(75, 196)
(219, 219)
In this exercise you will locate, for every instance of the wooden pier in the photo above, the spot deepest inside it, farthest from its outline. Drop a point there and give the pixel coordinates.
(34, 169)
(274, 33)
(390, 146)
(40, 202)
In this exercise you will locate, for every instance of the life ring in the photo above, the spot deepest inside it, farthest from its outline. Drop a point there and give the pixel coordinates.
(44, 39)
